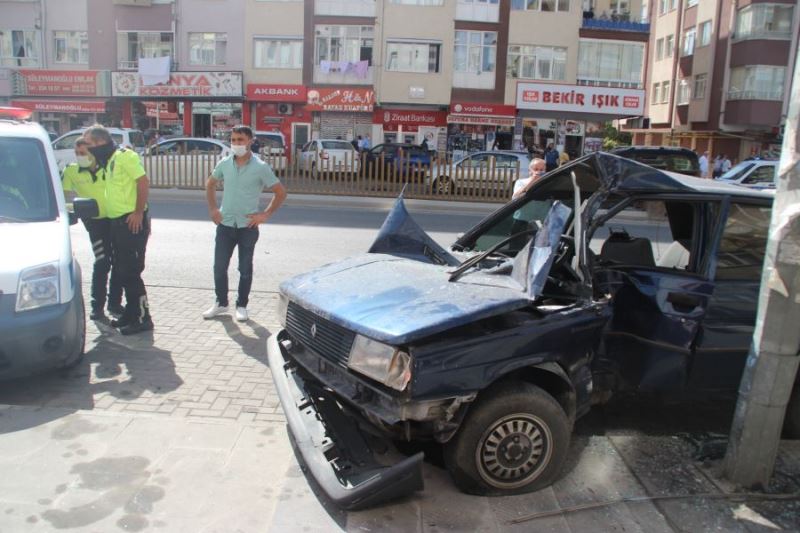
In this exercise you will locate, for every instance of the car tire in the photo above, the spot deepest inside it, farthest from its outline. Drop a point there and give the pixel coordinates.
(442, 185)
(523, 421)
(791, 422)
(77, 356)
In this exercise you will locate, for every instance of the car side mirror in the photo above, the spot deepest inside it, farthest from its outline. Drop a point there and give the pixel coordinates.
(83, 208)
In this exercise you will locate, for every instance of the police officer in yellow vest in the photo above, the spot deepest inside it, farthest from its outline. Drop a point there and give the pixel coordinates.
(86, 180)
(127, 188)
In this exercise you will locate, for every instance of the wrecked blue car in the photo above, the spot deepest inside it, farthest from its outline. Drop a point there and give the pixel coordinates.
(606, 276)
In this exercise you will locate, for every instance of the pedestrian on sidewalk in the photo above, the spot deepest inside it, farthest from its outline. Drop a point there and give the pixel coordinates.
(244, 178)
(704, 165)
(86, 180)
(551, 158)
(127, 188)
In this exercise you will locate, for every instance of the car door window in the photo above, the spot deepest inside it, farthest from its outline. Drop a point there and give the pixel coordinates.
(66, 143)
(171, 148)
(744, 243)
(203, 147)
(763, 175)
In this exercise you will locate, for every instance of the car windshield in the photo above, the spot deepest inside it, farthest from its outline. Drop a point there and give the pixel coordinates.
(137, 139)
(738, 171)
(270, 141)
(337, 145)
(26, 189)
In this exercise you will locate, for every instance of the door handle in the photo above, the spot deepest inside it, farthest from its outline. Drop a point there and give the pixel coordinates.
(683, 301)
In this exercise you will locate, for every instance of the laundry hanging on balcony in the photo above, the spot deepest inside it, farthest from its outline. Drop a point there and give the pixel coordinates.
(154, 70)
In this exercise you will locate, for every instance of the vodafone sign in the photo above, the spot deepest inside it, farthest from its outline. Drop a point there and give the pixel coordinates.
(495, 110)
(276, 93)
(581, 99)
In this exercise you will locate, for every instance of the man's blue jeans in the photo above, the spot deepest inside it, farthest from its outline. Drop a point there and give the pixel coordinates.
(227, 239)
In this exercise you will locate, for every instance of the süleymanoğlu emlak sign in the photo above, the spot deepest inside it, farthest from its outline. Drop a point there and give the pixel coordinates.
(181, 84)
(31, 82)
(580, 99)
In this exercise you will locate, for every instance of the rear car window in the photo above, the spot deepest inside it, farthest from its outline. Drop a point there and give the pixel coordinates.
(673, 162)
(26, 189)
(337, 145)
(270, 141)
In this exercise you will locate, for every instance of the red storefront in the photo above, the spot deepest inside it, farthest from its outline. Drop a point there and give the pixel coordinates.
(478, 126)
(411, 125)
(280, 108)
(62, 99)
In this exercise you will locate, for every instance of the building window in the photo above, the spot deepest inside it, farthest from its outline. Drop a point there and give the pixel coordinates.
(412, 57)
(705, 33)
(19, 48)
(699, 91)
(764, 21)
(420, 2)
(684, 92)
(669, 46)
(665, 92)
(537, 62)
(207, 48)
(278, 53)
(475, 51)
(655, 97)
(663, 6)
(132, 45)
(540, 5)
(610, 61)
(71, 47)
(756, 82)
(673, 5)
(691, 3)
(688, 42)
(344, 43)
(660, 49)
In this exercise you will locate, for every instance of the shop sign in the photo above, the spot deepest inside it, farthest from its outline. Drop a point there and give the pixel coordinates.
(480, 120)
(332, 99)
(276, 93)
(498, 110)
(31, 82)
(580, 99)
(62, 106)
(391, 119)
(181, 84)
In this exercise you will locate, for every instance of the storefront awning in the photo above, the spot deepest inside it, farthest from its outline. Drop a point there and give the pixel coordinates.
(62, 106)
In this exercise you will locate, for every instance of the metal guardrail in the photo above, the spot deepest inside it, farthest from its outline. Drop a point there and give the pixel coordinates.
(443, 179)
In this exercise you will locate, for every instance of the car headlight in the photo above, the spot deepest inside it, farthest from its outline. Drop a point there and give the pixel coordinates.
(38, 287)
(381, 362)
(283, 308)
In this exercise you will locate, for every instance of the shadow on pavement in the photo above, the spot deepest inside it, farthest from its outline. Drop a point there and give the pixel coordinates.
(255, 347)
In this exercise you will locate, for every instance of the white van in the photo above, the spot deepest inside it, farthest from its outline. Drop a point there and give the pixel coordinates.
(64, 146)
(42, 320)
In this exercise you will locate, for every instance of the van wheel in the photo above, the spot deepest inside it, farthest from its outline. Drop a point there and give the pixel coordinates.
(442, 185)
(513, 440)
(791, 423)
(76, 357)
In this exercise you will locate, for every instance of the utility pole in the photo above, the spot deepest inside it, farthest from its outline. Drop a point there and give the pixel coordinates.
(771, 368)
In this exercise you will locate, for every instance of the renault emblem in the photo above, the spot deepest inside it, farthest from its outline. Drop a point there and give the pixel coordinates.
(313, 331)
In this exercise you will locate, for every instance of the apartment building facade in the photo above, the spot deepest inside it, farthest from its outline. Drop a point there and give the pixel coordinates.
(719, 74)
(461, 74)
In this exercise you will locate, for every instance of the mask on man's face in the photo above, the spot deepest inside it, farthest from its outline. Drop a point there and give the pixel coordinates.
(103, 152)
(239, 149)
(84, 161)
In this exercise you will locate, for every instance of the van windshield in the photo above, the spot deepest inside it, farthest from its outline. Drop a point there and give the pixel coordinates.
(26, 190)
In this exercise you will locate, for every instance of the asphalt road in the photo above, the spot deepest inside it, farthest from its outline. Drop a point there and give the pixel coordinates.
(297, 239)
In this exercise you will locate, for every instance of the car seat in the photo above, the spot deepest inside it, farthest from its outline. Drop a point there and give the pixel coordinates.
(623, 249)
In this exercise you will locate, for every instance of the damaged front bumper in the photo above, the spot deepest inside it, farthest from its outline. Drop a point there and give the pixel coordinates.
(331, 444)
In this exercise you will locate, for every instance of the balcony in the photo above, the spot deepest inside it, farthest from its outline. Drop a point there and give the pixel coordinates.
(7, 61)
(342, 78)
(756, 95)
(134, 65)
(620, 24)
(345, 8)
(478, 11)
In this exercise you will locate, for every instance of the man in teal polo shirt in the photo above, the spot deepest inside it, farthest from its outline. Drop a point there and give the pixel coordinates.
(244, 178)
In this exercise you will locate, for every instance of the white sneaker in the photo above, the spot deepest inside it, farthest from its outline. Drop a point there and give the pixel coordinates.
(241, 314)
(215, 310)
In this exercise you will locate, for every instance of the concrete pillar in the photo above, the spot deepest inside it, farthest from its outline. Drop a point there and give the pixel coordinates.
(127, 113)
(772, 364)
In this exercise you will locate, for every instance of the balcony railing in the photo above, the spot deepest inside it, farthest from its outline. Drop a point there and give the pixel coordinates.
(762, 34)
(6, 61)
(345, 8)
(134, 64)
(615, 25)
(755, 95)
(478, 12)
(344, 78)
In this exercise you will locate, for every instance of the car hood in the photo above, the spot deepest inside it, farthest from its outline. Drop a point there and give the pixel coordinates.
(398, 300)
(18, 239)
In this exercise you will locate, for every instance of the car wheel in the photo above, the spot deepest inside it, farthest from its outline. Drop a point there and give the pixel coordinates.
(513, 440)
(76, 357)
(442, 185)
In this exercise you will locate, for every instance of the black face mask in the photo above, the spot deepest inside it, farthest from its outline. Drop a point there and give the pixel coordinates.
(103, 153)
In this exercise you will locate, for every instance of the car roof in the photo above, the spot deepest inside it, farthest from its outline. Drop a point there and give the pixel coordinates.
(641, 148)
(17, 128)
(626, 175)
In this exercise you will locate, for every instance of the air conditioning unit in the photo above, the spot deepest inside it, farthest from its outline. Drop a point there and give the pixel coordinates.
(285, 109)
